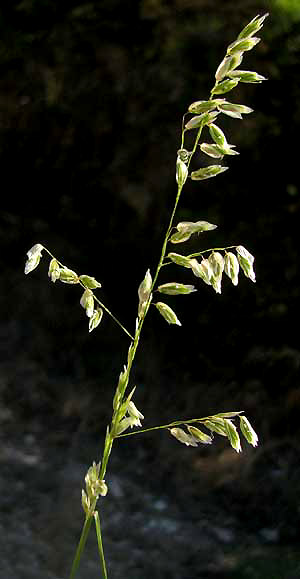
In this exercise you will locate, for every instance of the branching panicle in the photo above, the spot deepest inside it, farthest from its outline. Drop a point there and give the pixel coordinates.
(206, 115)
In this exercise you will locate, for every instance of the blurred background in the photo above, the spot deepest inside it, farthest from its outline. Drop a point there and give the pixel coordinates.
(91, 100)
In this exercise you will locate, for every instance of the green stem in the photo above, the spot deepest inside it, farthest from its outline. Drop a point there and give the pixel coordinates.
(164, 247)
(81, 545)
(100, 546)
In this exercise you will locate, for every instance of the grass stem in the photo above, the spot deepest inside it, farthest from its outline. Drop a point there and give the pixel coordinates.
(100, 545)
(81, 545)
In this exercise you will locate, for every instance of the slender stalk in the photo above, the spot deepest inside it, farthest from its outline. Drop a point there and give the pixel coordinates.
(100, 546)
(211, 249)
(81, 545)
(112, 316)
(164, 247)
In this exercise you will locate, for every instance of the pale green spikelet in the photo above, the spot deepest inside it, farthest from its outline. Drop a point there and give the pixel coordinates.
(167, 313)
(34, 256)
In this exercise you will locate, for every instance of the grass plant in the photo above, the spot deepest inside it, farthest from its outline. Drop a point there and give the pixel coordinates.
(209, 266)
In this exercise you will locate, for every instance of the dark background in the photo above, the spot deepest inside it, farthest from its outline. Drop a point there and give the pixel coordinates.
(91, 100)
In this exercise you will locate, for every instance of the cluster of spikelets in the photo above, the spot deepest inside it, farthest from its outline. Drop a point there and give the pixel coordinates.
(57, 271)
(227, 77)
(95, 487)
(221, 424)
(126, 414)
(210, 270)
